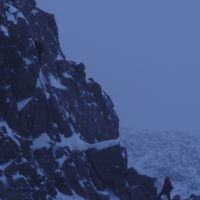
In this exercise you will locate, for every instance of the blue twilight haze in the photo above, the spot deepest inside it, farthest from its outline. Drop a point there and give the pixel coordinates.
(145, 54)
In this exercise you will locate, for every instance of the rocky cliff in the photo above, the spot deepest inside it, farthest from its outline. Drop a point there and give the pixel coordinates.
(59, 134)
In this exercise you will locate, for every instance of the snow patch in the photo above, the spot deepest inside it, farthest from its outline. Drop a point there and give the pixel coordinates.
(13, 14)
(4, 166)
(82, 183)
(4, 30)
(66, 75)
(112, 195)
(11, 18)
(38, 84)
(61, 160)
(17, 176)
(76, 143)
(43, 141)
(54, 125)
(41, 83)
(10, 132)
(12, 9)
(40, 171)
(59, 57)
(34, 11)
(55, 82)
(27, 61)
(22, 104)
(3, 179)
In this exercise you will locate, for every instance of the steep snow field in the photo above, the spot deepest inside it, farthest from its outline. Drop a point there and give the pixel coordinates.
(166, 153)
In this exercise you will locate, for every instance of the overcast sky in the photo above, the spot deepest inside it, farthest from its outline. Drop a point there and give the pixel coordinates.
(145, 54)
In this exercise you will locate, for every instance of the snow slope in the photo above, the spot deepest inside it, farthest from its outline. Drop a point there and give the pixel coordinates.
(166, 153)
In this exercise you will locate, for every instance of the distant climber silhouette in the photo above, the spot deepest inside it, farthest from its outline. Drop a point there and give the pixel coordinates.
(39, 48)
(167, 188)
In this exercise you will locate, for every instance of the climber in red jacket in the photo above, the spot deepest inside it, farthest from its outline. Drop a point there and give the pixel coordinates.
(167, 188)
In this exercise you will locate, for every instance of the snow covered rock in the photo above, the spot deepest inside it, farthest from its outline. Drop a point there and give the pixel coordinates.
(59, 135)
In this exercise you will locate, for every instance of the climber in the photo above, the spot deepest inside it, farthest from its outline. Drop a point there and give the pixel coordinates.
(39, 48)
(167, 188)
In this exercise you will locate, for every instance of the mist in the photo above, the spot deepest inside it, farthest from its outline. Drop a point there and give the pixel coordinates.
(145, 54)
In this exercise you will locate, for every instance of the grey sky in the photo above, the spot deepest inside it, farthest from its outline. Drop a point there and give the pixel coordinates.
(145, 54)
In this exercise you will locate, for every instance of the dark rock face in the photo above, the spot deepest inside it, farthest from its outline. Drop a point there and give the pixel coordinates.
(109, 163)
(141, 185)
(58, 131)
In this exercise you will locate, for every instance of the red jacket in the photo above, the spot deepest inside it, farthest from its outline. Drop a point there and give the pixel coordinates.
(167, 187)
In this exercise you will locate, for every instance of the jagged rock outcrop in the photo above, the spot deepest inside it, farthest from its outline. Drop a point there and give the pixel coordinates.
(59, 134)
